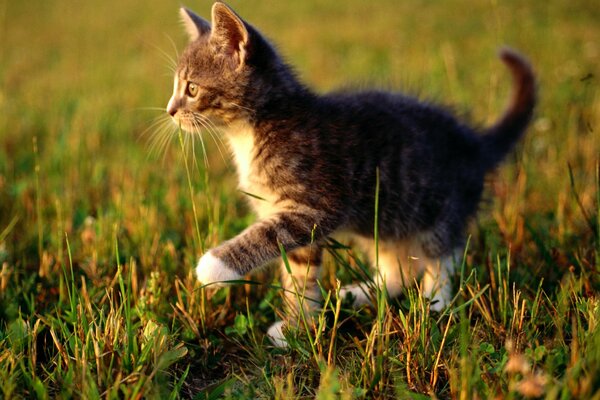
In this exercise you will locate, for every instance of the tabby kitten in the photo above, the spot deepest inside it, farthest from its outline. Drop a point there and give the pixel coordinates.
(311, 163)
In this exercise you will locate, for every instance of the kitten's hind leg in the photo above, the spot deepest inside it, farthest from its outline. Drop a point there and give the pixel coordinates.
(442, 248)
(398, 266)
(302, 294)
(437, 282)
(359, 293)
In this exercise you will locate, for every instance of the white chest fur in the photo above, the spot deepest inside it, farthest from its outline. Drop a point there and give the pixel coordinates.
(251, 180)
(242, 145)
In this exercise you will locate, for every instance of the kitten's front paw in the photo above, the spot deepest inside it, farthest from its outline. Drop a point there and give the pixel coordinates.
(213, 270)
(275, 333)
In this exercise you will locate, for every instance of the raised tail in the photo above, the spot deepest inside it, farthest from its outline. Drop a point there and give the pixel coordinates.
(502, 136)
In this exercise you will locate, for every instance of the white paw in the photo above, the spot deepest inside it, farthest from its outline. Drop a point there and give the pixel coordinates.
(358, 292)
(212, 270)
(275, 333)
(441, 299)
(436, 285)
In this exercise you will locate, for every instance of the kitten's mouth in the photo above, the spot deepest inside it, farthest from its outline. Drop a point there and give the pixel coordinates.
(193, 123)
(184, 124)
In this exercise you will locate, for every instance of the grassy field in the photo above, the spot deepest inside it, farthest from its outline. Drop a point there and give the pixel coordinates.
(100, 230)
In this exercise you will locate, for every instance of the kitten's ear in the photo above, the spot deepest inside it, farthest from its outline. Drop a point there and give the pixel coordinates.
(229, 32)
(194, 25)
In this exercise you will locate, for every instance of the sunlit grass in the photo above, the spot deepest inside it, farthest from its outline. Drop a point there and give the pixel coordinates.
(100, 227)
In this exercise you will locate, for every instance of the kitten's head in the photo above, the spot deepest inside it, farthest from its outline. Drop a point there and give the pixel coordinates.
(221, 72)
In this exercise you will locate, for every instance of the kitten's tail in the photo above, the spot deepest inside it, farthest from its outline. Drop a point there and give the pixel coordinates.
(503, 135)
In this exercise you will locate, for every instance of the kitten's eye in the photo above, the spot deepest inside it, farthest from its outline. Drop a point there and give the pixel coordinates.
(191, 89)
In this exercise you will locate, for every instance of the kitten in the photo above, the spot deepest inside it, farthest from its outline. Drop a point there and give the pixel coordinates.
(312, 163)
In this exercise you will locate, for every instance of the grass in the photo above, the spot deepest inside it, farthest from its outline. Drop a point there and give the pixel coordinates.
(99, 236)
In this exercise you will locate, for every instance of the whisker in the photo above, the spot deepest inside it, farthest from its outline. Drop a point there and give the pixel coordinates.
(158, 134)
(173, 45)
(193, 140)
(162, 142)
(197, 129)
(186, 146)
(212, 127)
(158, 121)
(208, 125)
(170, 134)
(212, 130)
(204, 153)
(194, 158)
(214, 134)
(162, 109)
(172, 63)
(242, 107)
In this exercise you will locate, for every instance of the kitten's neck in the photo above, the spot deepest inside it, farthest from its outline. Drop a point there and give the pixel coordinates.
(283, 97)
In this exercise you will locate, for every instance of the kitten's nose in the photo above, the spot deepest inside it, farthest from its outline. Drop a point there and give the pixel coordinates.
(172, 107)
